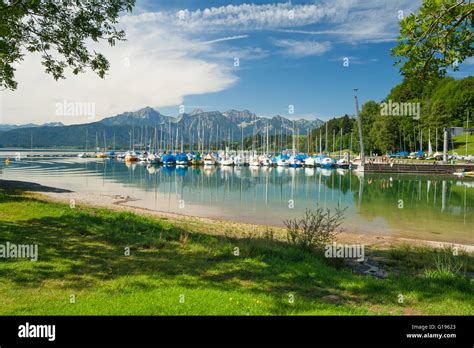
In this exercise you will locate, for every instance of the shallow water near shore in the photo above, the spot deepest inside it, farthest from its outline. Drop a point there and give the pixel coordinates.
(400, 205)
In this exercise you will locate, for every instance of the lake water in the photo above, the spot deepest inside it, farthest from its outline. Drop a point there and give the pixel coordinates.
(412, 206)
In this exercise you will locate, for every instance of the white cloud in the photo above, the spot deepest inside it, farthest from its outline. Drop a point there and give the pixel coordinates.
(228, 38)
(469, 61)
(156, 66)
(348, 20)
(366, 21)
(354, 60)
(370, 35)
(304, 48)
(250, 16)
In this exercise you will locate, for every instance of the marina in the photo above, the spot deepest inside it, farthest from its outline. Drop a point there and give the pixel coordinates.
(430, 207)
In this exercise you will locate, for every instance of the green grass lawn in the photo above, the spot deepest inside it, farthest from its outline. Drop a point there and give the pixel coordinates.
(460, 145)
(173, 271)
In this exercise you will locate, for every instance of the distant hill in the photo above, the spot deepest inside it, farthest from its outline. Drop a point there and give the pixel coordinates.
(140, 125)
(7, 127)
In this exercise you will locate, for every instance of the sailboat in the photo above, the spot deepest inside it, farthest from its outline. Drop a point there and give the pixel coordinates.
(197, 160)
(84, 154)
(153, 159)
(265, 161)
(143, 157)
(182, 159)
(343, 163)
(169, 160)
(227, 161)
(293, 161)
(209, 160)
(310, 162)
(254, 162)
(239, 160)
(282, 160)
(327, 163)
(101, 154)
(131, 156)
(430, 148)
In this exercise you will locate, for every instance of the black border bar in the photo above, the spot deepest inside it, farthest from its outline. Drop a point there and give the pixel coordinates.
(309, 330)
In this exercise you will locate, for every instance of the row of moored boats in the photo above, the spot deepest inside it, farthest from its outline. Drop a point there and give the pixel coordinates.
(225, 159)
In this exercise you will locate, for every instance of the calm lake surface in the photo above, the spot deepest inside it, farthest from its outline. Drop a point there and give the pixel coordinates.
(412, 206)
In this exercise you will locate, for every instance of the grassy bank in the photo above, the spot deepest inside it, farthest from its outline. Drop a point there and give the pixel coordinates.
(172, 270)
(460, 145)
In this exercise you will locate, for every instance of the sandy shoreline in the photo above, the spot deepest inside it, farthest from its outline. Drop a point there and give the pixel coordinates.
(208, 225)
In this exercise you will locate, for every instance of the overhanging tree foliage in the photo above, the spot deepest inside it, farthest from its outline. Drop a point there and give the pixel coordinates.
(435, 39)
(58, 29)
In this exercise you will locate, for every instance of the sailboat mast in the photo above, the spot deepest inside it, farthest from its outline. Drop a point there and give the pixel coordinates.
(281, 137)
(340, 145)
(267, 140)
(320, 141)
(293, 139)
(242, 138)
(333, 140)
(161, 138)
(421, 139)
(326, 139)
(253, 139)
(105, 143)
(350, 151)
(145, 139)
(169, 143)
(307, 140)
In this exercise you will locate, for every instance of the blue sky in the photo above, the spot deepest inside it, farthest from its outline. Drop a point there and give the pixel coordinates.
(316, 82)
(182, 52)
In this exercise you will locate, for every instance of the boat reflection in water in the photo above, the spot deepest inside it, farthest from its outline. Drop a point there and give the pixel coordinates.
(406, 205)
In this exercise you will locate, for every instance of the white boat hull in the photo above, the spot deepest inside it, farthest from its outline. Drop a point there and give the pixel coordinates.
(227, 163)
(310, 162)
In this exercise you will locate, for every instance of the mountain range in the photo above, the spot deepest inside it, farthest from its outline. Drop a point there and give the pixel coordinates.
(139, 126)
(7, 127)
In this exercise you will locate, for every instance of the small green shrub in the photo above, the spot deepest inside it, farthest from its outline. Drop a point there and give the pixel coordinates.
(315, 229)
